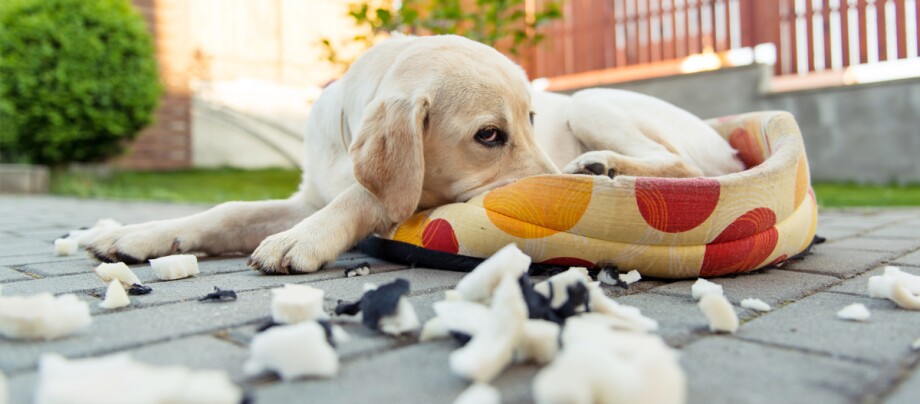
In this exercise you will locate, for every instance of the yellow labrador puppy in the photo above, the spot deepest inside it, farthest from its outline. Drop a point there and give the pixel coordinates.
(419, 122)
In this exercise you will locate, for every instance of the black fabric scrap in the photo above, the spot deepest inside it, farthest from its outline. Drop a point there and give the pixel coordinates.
(540, 307)
(219, 295)
(356, 267)
(614, 273)
(377, 303)
(138, 289)
(462, 338)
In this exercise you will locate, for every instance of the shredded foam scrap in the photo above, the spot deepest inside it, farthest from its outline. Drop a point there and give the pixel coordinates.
(915, 345)
(755, 304)
(293, 351)
(84, 236)
(479, 393)
(175, 266)
(556, 288)
(384, 308)
(115, 296)
(599, 364)
(479, 284)
(118, 270)
(631, 277)
(42, 316)
(491, 349)
(295, 303)
(119, 379)
(703, 287)
(719, 312)
(900, 287)
(854, 312)
(65, 246)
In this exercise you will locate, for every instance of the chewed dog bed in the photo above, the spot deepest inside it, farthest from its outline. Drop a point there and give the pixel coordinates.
(664, 227)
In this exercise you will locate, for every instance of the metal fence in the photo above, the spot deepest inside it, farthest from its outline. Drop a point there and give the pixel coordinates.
(809, 35)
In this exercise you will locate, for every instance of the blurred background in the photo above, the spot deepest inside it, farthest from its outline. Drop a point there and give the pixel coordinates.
(207, 100)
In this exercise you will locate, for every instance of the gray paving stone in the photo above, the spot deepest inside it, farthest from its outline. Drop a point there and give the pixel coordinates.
(679, 319)
(908, 231)
(39, 258)
(912, 259)
(773, 286)
(838, 233)
(871, 243)
(415, 374)
(839, 262)
(198, 352)
(812, 324)
(908, 391)
(362, 340)
(10, 275)
(754, 373)
(135, 328)
(859, 285)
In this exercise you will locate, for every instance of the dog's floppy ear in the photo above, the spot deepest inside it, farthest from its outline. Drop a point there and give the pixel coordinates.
(388, 154)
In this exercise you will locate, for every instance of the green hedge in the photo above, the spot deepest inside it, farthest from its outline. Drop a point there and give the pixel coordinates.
(78, 79)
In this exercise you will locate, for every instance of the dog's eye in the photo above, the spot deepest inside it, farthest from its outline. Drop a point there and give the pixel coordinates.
(491, 137)
(531, 117)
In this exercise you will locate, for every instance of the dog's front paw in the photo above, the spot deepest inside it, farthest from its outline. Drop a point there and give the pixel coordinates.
(137, 243)
(593, 163)
(289, 252)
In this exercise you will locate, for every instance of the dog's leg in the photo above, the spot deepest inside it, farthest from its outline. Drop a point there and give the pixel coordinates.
(320, 238)
(620, 146)
(232, 227)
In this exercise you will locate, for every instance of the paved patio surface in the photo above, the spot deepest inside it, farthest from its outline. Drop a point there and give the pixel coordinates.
(797, 353)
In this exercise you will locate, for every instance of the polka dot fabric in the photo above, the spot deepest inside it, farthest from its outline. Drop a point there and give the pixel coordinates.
(664, 227)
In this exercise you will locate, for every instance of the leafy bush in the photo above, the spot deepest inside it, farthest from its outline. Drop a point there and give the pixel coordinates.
(503, 24)
(79, 79)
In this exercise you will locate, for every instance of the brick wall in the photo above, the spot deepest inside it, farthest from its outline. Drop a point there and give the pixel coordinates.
(166, 144)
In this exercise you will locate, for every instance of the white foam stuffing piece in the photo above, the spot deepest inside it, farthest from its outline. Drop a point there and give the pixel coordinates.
(479, 393)
(703, 287)
(492, 348)
(293, 351)
(854, 312)
(619, 316)
(559, 284)
(433, 329)
(119, 379)
(755, 304)
(461, 316)
(719, 313)
(118, 270)
(631, 277)
(478, 285)
(916, 344)
(296, 303)
(65, 247)
(84, 237)
(115, 296)
(175, 266)
(539, 342)
(902, 295)
(42, 316)
(882, 286)
(602, 365)
(404, 320)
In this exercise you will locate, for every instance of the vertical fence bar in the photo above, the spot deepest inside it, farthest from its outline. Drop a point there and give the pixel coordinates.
(901, 13)
(881, 29)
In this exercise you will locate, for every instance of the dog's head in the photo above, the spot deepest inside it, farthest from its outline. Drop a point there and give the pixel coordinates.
(451, 118)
